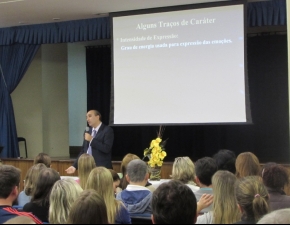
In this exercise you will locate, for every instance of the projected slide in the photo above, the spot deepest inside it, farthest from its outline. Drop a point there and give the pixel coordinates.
(180, 67)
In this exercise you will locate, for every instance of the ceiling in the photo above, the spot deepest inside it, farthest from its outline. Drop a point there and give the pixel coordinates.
(27, 12)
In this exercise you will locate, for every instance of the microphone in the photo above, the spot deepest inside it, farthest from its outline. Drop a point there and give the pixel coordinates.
(87, 129)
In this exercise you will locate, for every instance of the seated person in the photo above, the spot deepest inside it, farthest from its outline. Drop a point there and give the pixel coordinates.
(183, 170)
(136, 197)
(29, 183)
(43, 158)
(226, 160)
(174, 203)
(205, 168)
(9, 189)
(280, 216)
(123, 182)
(275, 178)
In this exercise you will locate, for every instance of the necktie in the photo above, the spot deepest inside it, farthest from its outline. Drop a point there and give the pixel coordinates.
(90, 148)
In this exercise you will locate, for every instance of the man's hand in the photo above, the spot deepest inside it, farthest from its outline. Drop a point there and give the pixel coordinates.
(88, 137)
(205, 201)
(70, 170)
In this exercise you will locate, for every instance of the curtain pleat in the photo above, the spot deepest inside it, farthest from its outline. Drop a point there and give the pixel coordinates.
(14, 62)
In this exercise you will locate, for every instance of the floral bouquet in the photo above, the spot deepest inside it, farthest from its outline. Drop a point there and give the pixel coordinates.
(156, 154)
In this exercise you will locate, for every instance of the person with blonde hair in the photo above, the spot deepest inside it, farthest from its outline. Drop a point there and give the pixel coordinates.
(86, 164)
(63, 194)
(252, 198)
(225, 209)
(89, 208)
(183, 170)
(100, 179)
(247, 164)
(43, 158)
(29, 183)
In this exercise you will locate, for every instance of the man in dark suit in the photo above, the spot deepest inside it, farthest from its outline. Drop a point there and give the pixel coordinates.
(98, 142)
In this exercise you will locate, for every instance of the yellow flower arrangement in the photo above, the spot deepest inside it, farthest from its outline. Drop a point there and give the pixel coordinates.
(156, 152)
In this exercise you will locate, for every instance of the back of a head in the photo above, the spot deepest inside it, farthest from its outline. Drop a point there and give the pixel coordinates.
(247, 164)
(89, 208)
(183, 170)
(63, 194)
(225, 160)
(137, 170)
(86, 164)
(280, 216)
(205, 168)
(32, 178)
(115, 175)
(100, 179)
(125, 161)
(20, 220)
(252, 196)
(173, 203)
(224, 202)
(275, 176)
(46, 179)
(9, 178)
(43, 158)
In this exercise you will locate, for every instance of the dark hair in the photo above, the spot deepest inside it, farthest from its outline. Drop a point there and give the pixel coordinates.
(205, 168)
(89, 208)
(225, 160)
(115, 175)
(9, 178)
(97, 113)
(46, 179)
(43, 158)
(174, 203)
(275, 176)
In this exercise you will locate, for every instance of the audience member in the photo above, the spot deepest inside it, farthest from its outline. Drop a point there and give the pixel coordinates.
(100, 179)
(43, 158)
(39, 204)
(168, 203)
(205, 168)
(116, 181)
(63, 194)
(280, 216)
(225, 209)
(89, 208)
(275, 177)
(9, 185)
(125, 161)
(184, 171)
(247, 164)
(29, 183)
(226, 160)
(136, 196)
(86, 164)
(252, 198)
(20, 220)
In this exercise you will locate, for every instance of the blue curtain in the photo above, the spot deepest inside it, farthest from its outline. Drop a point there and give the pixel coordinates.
(62, 32)
(14, 61)
(267, 13)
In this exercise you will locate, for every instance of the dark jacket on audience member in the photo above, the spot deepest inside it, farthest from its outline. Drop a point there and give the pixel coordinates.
(278, 199)
(40, 211)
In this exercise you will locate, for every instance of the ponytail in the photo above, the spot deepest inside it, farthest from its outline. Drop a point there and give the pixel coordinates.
(260, 206)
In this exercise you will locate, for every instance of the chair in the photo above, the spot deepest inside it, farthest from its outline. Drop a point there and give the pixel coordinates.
(23, 139)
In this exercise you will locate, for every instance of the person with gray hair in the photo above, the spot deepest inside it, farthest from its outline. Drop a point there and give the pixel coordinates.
(136, 197)
(280, 216)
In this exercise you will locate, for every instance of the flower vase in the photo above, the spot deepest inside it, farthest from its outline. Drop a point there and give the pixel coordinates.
(155, 173)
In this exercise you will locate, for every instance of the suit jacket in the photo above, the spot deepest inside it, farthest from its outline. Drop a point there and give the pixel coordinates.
(101, 147)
